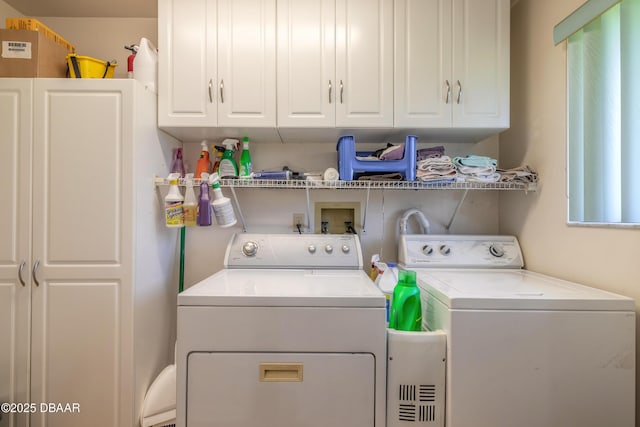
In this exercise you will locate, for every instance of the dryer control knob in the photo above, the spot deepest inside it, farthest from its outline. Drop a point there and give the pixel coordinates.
(312, 249)
(427, 250)
(345, 249)
(445, 250)
(250, 248)
(328, 249)
(496, 250)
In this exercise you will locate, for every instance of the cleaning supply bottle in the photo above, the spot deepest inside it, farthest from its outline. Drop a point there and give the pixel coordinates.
(386, 281)
(204, 202)
(145, 65)
(178, 164)
(228, 167)
(174, 203)
(216, 162)
(190, 204)
(245, 159)
(203, 164)
(222, 209)
(406, 310)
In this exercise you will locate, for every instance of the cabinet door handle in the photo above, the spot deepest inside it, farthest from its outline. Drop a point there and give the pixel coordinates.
(459, 92)
(210, 91)
(22, 264)
(341, 91)
(34, 272)
(330, 88)
(222, 91)
(446, 101)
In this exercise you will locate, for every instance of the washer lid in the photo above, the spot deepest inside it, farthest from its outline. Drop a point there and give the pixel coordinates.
(284, 288)
(515, 290)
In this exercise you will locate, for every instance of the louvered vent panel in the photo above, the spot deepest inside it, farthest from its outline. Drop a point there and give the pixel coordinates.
(411, 407)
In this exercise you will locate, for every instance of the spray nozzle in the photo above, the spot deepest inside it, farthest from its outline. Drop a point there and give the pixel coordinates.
(214, 180)
(133, 48)
(173, 178)
(188, 179)
(231, 144)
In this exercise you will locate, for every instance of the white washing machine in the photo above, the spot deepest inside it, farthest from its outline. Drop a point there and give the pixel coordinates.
(523, 349)
(290, 333)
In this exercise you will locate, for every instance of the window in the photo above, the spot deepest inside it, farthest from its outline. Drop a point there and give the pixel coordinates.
(604, 117)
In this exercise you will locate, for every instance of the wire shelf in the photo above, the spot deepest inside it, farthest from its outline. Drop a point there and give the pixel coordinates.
(362, 185)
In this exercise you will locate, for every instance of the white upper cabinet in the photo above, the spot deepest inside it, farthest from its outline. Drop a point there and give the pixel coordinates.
(452, 63)
(217, 63)
(335, 63)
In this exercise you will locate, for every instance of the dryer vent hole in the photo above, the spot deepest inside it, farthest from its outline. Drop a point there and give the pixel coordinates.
(411, 409)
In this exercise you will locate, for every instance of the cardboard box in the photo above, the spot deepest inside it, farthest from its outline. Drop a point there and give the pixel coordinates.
(25, 53)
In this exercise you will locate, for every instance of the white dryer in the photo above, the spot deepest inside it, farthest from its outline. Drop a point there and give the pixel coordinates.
(291, 333)
(523, 349)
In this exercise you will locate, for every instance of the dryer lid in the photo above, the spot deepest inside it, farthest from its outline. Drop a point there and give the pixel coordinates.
(284, 288)
(497, 289)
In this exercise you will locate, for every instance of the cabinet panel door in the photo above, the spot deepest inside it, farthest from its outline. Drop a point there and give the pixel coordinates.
(422, 89)
(246, 63)
(306, 63)
(481, 63)
(364, 63)
(187, 62)
(15, 243)
(82, 240)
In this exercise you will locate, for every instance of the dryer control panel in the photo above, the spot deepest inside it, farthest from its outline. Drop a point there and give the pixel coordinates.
(459, 251)
(316, 251)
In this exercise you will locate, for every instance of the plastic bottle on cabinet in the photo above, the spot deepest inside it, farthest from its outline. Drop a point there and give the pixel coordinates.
(174, 203)
(406, 309)
(190, 203)
(204, 202)
(245, 160)
(222, 209)
(204, 164)
(145, 64)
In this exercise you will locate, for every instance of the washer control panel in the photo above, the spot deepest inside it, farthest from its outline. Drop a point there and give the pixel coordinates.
(459, 251)
(317, 251)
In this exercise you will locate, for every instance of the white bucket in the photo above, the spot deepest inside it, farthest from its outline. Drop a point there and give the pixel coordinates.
(145, 65)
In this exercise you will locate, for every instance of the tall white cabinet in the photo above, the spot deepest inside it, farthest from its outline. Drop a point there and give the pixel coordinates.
(87, 283)
(217, 63)
(452, 63)
(335, 63)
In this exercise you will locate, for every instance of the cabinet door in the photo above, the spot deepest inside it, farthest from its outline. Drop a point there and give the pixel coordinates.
(422, 92)
(15, 243)
(187, 63)
(306, 63)
(82, 241)
(246, 63)
(364, 63)
(481, 63)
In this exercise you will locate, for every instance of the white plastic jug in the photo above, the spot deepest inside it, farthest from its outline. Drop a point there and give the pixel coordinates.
(145, 65)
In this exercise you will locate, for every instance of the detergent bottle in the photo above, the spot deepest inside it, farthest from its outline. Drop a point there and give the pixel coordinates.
(145, 65)
(174, 203)
(222, 209)
(406, 310)
(190, 204)
(228, 167)
(204, 164)
(245, 160)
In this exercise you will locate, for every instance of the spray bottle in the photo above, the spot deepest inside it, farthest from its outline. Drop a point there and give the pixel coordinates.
(222, 209)
(204, 164)
(245, 160)
(134, 49)
(178, 165)
(228, 166)
(204, 202)
(174, 203)
(190, 205)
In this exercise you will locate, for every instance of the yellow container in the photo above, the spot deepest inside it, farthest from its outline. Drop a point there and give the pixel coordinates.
(35, 25)
(87, 67)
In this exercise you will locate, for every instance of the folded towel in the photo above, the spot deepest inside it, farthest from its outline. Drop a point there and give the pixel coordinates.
(435, 169)
(475, 161)
(430, 152)
(524, 174)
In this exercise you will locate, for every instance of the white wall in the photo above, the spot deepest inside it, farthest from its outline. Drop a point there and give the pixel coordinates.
(7, 11)
(271, 210)
(604, 258)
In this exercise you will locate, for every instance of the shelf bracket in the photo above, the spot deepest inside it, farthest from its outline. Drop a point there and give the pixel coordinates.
(235, 198)
(366, 209)
(308, 225)
(455, 212)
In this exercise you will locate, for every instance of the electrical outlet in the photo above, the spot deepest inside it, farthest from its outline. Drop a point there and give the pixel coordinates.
(299, 218)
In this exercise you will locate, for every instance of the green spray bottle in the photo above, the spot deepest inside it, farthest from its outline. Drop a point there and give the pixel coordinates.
(228, 167)
(406, 309)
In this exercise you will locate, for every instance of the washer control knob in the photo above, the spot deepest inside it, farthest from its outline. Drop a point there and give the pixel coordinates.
(312, 249)
(328, 249)
(496, 250)
(250, 248)
(427, 250)
(445, 250)
(345, 249)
